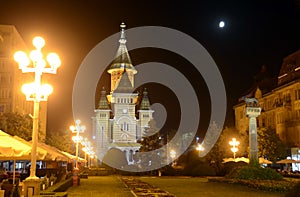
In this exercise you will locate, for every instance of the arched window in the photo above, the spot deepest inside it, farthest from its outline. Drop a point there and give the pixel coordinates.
(124, 137)
(125, 126)
(131, 155)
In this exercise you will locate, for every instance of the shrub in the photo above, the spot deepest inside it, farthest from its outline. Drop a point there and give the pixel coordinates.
(202, 169)
(229, 166)
(254, 173)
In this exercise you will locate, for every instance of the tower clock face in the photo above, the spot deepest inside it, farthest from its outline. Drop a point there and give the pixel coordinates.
(124, 111)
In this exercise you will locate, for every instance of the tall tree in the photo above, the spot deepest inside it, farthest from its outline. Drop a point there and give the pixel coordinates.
(61, 139)
(149, 144)
(270, 145)
(222, 146)
(151, 140)
(16, 124)
(222, 149)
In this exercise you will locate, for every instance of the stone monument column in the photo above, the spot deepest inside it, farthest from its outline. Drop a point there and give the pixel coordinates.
(253, 111)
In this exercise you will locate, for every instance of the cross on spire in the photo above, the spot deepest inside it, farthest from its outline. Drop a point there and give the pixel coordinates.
(122, 37)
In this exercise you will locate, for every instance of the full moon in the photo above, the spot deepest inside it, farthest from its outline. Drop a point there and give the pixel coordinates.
(221, 24)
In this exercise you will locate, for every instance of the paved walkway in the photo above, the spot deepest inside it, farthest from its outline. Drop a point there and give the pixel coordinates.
(140, 188)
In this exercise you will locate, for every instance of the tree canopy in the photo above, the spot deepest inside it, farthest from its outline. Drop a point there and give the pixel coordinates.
(16, 124)
(150, 142)
(269, 144)
(61, 139)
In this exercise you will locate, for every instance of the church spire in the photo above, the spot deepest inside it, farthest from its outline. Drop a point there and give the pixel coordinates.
(103, 104)
(122, 57)
(122, 37)
(121, 62)
(145, 103)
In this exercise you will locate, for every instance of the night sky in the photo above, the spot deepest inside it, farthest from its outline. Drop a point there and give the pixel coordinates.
(256, 33)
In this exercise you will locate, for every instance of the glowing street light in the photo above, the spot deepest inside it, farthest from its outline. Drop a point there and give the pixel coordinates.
(87, 149)
(77, 138)
(200, 147)
(234, 143)
(92, 157)
(172, 154)
(36, 91)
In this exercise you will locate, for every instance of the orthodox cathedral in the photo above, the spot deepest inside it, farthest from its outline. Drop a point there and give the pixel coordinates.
(117, 123)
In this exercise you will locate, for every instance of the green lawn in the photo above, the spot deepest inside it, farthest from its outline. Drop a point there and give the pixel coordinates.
(100, 186)
(188, 186)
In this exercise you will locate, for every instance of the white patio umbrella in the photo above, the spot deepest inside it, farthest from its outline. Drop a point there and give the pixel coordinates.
(261, 160)
(225, 160)
(287, 161)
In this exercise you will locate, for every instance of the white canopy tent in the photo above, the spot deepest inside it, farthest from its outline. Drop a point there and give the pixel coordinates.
(57, 154)
(73, 157)
(14, 149)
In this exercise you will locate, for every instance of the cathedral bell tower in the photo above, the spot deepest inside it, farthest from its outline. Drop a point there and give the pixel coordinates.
(121, 62)
(115, 123)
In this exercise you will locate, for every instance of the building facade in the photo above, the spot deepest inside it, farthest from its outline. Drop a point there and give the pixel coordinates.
(280, 105)
(115, 123)
(12, 78)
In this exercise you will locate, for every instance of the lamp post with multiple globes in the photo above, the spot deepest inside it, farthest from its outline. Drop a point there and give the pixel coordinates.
(199, 147)
(77, 129)
(173, 156)
(234, 143)
(88, 150)
(35, 91)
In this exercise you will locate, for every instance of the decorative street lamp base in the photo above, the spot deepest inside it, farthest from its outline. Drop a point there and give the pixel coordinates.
(32, 178)
(76, 180)
(32, 186)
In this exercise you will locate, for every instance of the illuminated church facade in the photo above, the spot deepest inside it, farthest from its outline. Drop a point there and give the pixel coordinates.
(117, 123)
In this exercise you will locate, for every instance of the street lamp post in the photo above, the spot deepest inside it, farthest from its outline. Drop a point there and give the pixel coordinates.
(91, 156)
(173, 156)
(199, 148)
(88, 150)
(85, 144)
(35, 91)
(234, 143)
(77, 128)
